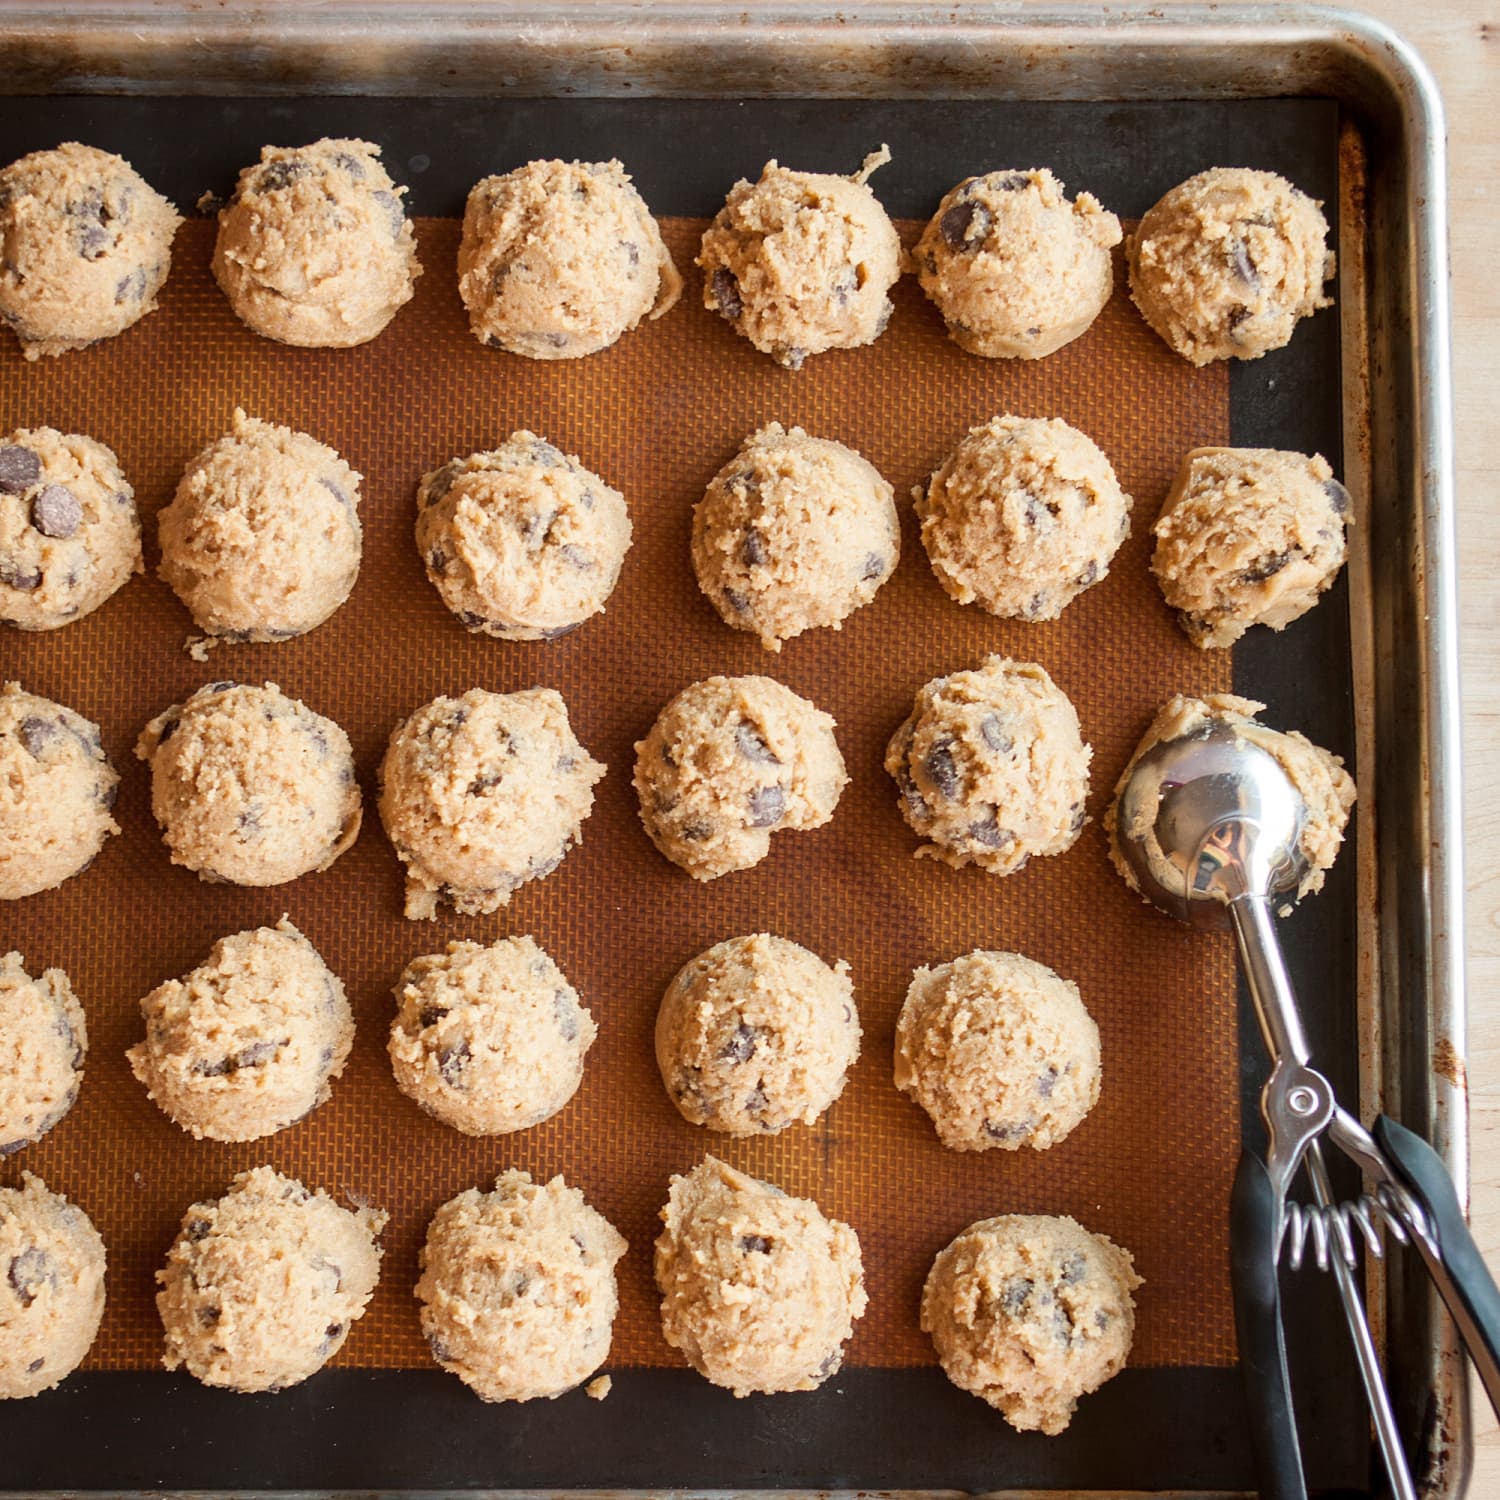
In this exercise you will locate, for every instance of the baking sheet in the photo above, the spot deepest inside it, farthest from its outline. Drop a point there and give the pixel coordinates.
(657, 416)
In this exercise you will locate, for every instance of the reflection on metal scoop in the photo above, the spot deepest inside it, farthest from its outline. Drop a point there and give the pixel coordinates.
(1210, 825)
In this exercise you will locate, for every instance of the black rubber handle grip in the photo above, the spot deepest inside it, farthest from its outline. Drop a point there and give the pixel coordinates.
(1257, 1323)
(1460, 1274)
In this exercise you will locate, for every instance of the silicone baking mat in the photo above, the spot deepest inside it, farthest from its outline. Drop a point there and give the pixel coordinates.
(656, 416)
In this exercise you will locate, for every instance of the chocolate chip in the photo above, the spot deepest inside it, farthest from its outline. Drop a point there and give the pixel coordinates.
(258, 1053)
(332, 1332)
(394, 215)
(565, 1012)
(1244, 267)
(992, 732)
(556, 632)
(964, 221)
(337, 492)
(521, 1284)
(275, 175)
(37, 733)
(1016, 1293)
(874, 566)
(577, 557)
(351, 164)
(472, 621)
(167, 730)
(481, 784)
(216, 687)
(56, 512)
(248, 823)
(941, 769)
(29, 1271)
(755, 1244)
(752, 745)
(845, 285)
(767, 806)
(754, 550)
(16, 576)
(755, 1100)
(437, 561)
(197, 1229)
(440, 483)
(737, 601)
(726, 290)
(1338, 496)
(544, 865)
(1071, 1272)
(88, 215)
(987, 831)
(9, 1148)
(1265, 567)
(632, 252)
(132, 288)
(1237, 316)
(548, 455)
(1047, 1082)
(1008, 182)
(209, 1316)
(430, 1015)
(452, 1061)
(695, 833)
(1006, 1131)
(36, 1365)
(1036, 511)
(20, 468)
(741, 1046)
(1080, 817)
(440, 1351)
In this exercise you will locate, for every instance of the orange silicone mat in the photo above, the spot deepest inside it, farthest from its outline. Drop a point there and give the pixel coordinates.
(656, 416)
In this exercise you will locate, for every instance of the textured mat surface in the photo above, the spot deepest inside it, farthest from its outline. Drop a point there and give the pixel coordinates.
(656, 416)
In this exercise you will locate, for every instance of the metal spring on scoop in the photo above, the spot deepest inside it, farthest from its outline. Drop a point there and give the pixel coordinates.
(1332, 1228)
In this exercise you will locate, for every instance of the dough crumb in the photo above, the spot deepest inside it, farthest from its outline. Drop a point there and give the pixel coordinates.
(598, 1388)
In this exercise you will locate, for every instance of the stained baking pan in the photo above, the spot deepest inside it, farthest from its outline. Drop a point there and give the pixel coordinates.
(1125, 102)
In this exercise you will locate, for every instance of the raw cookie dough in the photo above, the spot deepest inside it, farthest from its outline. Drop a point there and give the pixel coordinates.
(314, 247)
(43, 1040)
(755, 1034)
(522, 543)
(482, 793)
(51, 1287)
(760, 1291)
(730, 761)
(262, 540)
(1325, 786)
(992, 767)
(800, 262)
(793, 532)
(260, 1288)
(69, 532)
(249, 1041)
(1225, 264)
(85, 245)
(1022, 517)
(489, 1040)
(56, 791)
(518, 1288)
(999, 1051)
(250, 786)
(559, 258)
(1029, 1313)
(1015, 267)
(1248, 536)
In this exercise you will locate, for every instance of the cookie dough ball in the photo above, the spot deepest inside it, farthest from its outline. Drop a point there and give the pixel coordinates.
(1022, 517)
(87, 244)
(559, 258)
(489, 1040)
(1225, 264)
(522, 543)
(1029, 1313)
(262, 539)
(992, 767)
(56, 791)
(759, 1290)
(1325, 787)
(794, 532)
(314, 247)
(518, 1288)
(250, 786)
(43, 1040)
(249, 1041)
(1248, 536)
(755, 1034)
(51, 1287)
(1016, 268)
(729, 762)
(260, 1288)
(69, 532)
(482, 793)
(999, 1051)
(800, 262)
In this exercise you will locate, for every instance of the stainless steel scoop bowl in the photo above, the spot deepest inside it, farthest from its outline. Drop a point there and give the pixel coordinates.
(1210, 825)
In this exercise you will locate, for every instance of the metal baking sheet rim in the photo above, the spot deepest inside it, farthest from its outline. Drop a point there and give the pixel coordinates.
(1397, 381)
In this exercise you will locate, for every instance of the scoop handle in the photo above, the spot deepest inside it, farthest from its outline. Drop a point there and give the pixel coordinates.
(1262, 1341)
(1452, 1258)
